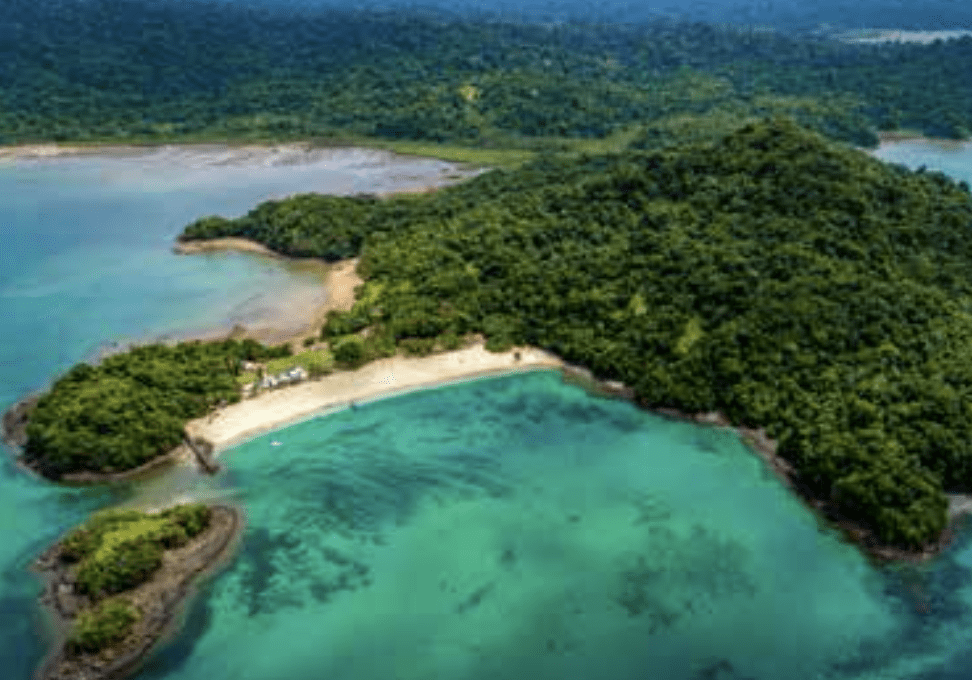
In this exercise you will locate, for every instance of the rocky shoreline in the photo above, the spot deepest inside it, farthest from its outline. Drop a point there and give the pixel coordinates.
(15, 419)
(159, 601)
(757, 440)
(853, 531)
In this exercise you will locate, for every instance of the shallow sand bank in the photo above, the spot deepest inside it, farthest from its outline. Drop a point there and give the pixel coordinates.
(279, 408)
(338, 280)
(229, 243)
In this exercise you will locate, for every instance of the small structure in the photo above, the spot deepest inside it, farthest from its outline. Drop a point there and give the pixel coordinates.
(268, 382)
(297, 373)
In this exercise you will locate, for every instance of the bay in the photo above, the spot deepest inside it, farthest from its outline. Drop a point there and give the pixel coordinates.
(508, 527)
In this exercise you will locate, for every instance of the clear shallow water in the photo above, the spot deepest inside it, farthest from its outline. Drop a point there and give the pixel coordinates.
(517, 527)
(513, 527)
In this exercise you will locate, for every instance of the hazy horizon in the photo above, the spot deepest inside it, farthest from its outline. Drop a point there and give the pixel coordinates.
(786, 14)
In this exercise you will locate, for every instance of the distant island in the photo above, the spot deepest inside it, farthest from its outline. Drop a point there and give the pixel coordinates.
(115, 584)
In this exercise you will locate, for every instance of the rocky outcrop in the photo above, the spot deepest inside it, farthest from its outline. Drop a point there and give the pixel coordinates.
(607, 388)
(15, 421)
(203, 450)
(158, 601)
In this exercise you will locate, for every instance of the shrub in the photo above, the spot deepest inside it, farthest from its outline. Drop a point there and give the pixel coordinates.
(121, 549)
(350, 352)
(418, 346)
(379, 345)
(450, 341)
(121, 568)
(498, 344)
(193, 518)
(102, 626)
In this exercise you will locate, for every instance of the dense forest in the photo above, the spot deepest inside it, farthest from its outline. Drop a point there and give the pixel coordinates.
(132, 406)
(124, 70)
(786, 280)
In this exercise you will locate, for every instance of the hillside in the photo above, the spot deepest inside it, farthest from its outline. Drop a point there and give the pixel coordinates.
(129, 70)
(772, 275)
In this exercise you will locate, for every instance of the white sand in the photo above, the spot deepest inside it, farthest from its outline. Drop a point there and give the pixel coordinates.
(285, 406)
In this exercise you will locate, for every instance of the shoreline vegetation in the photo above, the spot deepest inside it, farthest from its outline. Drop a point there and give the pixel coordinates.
(106, 618)
(340, 282)
(228, 426)
(711, 291)
(654, 231)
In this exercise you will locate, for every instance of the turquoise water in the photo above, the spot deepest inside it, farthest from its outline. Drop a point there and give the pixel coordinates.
(511, 527)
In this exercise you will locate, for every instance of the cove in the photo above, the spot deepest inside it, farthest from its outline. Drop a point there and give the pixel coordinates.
(519, 527)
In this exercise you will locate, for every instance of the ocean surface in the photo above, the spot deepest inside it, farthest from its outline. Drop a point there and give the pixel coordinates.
(513, 527)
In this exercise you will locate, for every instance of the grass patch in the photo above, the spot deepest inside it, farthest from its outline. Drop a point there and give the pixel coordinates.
(307, 359)
(315, 362)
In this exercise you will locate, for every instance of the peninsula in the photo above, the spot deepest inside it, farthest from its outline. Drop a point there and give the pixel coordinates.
(794, 285)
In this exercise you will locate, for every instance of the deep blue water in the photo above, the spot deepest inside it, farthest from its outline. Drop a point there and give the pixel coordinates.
(513, 527)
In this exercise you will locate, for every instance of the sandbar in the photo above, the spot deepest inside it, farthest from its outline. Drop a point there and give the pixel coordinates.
(271, 410)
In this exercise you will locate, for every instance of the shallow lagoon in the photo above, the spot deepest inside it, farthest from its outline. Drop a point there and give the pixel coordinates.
(510, 527)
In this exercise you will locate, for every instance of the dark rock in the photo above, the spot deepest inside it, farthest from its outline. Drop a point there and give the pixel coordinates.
(15, 421)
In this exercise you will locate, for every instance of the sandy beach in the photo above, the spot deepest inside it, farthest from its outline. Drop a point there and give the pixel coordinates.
(383, 378)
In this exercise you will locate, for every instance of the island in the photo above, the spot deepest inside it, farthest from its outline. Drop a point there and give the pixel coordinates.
(114, 586)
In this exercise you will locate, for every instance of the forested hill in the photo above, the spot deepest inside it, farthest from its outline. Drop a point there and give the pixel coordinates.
(127, 70)
(772, 275)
